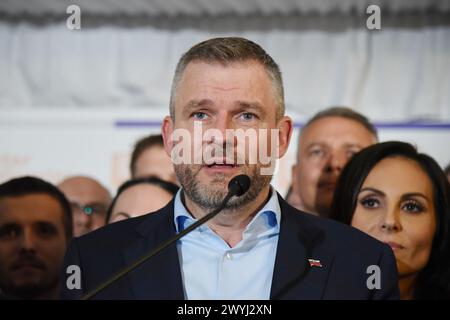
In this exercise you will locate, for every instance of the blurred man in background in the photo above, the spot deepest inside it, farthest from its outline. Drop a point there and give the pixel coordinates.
(149, 159)
(326, 143)
(292, 198)
(35, 228)
(89, 201)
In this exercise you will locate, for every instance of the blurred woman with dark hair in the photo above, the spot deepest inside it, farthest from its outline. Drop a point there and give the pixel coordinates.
(139, 196)
(401, 197)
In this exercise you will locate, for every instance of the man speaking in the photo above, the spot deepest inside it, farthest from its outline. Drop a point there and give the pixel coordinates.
(228, 93)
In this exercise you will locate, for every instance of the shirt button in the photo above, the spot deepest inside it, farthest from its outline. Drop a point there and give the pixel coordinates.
(229, 256)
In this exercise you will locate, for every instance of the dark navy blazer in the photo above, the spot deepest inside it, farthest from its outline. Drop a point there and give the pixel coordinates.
(344, 255)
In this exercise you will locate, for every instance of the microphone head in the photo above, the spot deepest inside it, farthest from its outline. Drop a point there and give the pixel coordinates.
(239, 185)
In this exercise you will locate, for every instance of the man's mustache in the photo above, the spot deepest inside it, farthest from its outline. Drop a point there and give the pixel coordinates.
(28, 260)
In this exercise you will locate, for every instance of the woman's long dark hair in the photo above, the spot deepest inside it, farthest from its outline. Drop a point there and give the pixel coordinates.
(434, 280)
(165, 185)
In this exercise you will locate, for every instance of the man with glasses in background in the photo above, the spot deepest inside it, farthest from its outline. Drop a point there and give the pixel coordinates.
(89, 201)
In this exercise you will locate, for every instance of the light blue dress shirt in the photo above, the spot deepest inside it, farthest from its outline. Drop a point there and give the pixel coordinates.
(212, 270)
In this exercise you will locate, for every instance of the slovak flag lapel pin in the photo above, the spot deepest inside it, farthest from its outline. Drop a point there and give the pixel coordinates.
(314, 263)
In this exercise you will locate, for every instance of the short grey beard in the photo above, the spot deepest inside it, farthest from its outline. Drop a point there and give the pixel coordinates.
(207, 198)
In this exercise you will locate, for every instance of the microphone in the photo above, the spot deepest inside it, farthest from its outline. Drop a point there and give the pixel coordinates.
(237, 186)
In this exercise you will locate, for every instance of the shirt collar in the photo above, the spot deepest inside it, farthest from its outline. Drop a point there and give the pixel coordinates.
(267, 218)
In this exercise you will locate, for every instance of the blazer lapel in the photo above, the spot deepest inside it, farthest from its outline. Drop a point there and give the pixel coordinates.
(301, 268)
(160, 277)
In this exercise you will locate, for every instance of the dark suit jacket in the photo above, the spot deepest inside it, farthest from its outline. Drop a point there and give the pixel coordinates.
(344, 253)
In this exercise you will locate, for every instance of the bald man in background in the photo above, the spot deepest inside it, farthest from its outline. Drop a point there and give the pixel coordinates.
(89, 201)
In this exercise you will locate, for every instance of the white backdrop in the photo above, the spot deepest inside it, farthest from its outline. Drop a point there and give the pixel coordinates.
(391, 74)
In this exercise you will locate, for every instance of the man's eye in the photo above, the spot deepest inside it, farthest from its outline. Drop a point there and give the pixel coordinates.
(316, 152)
(199, 116)
(351, 153)
(93, 209)
(46, 229)
(248, 116)
(89, 210)
(9, 232)
(96, 209)
(370, 203)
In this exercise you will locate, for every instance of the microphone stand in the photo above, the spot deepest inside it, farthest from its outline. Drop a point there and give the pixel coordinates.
(160, 248)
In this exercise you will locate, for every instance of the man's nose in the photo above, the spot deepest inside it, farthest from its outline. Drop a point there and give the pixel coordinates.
(336, 162)
(222, 130)
(28, 242)
(83, 219)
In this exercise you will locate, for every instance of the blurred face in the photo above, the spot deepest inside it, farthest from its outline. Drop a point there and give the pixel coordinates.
(395, 205)
(325, 146)
(293, 199)
(89, 202)
(138, 200)
(155, 162)
(220, 98)
(32, 245)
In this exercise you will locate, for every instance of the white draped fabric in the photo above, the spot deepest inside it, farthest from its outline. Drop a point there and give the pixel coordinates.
(393, 74)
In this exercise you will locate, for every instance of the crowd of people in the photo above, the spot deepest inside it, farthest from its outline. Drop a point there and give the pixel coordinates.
(394, 199)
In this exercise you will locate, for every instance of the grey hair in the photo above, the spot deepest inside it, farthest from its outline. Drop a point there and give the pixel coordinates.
(225, 51)
(346, 113)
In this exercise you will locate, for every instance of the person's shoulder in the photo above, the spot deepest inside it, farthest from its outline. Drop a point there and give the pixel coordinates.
(350, 255)
(110, 231)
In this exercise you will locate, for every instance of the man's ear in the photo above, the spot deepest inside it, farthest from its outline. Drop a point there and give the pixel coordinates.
(167, 130)
(284, 135)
